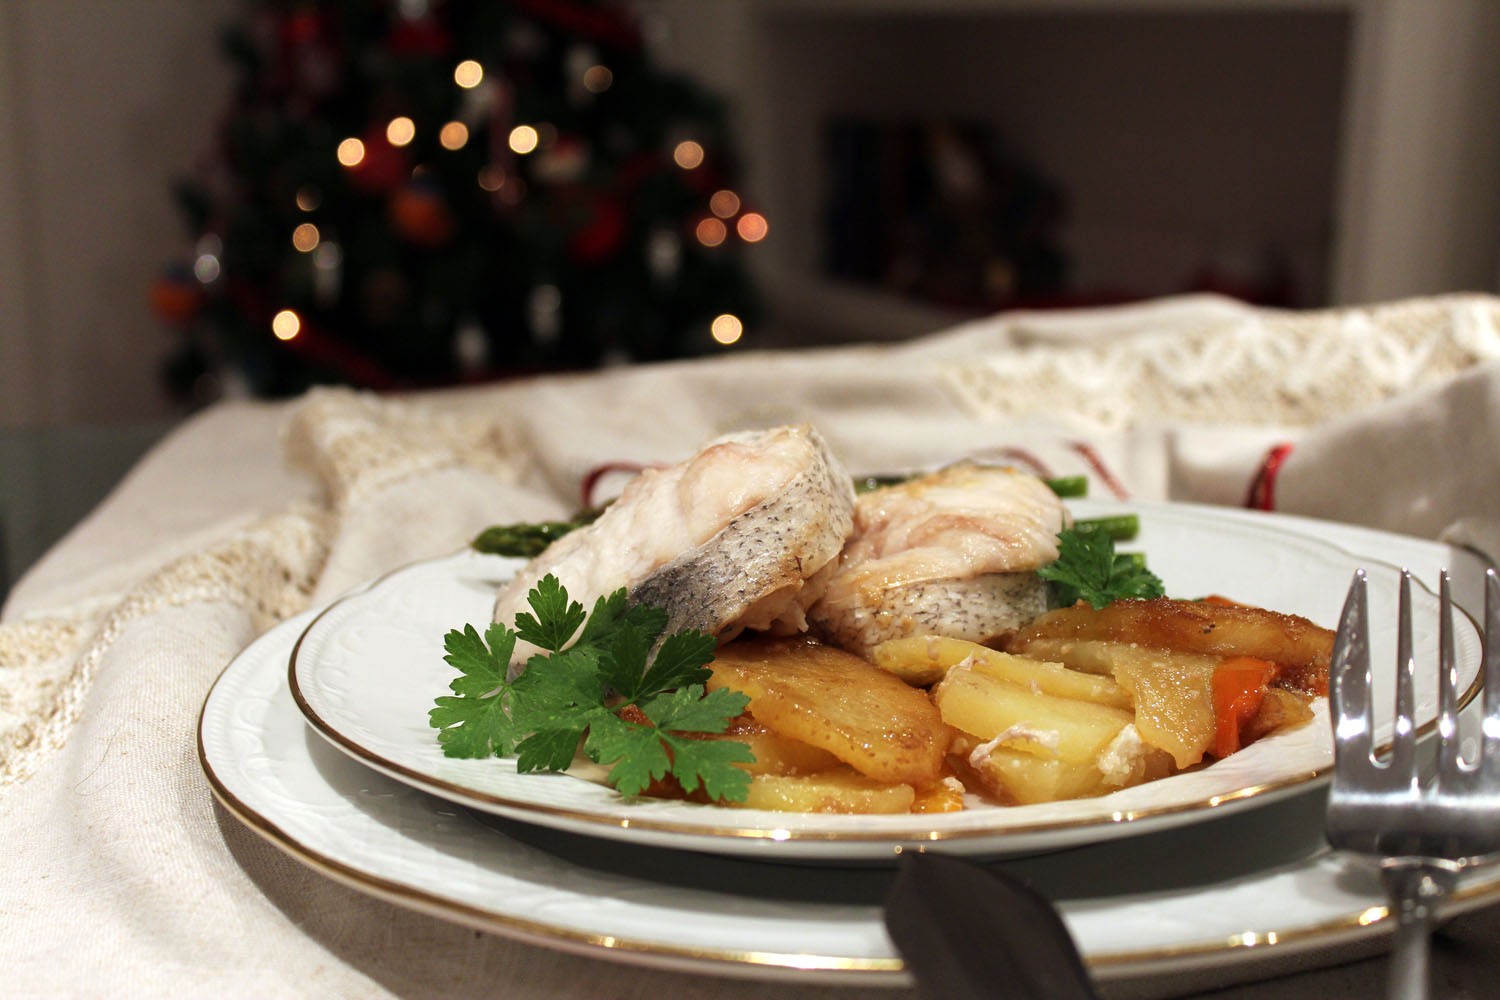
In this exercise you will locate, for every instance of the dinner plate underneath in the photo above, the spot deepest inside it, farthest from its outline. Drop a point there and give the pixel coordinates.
(1231, 896)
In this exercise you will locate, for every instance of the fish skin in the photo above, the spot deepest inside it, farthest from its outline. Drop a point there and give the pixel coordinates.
(980, 609)
(953, 553)
(760, 568)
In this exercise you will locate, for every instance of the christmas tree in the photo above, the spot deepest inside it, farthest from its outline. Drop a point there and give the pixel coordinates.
(417, 192)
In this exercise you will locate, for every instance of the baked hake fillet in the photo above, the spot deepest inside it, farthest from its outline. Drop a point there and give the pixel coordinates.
(952, 553)
(732, 538)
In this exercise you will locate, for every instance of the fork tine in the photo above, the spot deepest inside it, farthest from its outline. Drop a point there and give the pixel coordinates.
(1450, 770)
(1490, 750)
(1349, 686)
(1403, 762)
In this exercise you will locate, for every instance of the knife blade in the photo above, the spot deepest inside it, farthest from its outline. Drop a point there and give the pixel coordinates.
(966, 931)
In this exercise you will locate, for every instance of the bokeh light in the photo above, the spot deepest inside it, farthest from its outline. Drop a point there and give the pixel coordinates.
(523, 139)
(286, 324)
(400, 131)
(305, 237)
(597, 79)
(711, 232)
(752, 227)
(468, 74)
(351, 152)
(491, 177)
(726, 328)
(724, 203)
(688, 154)
(453, 135)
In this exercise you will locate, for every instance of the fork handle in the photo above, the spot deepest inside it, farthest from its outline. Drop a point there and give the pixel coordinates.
(1417, 887)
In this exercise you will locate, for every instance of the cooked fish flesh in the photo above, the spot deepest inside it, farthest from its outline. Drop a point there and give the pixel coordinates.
(738, 536)
(952, 553)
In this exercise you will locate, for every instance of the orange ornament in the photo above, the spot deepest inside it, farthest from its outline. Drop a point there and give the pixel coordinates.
(421, 216)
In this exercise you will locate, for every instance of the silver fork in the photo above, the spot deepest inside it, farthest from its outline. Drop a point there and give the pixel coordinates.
(1424, 833)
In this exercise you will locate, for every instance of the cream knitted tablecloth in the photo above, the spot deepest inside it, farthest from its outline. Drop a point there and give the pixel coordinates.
(122, 878)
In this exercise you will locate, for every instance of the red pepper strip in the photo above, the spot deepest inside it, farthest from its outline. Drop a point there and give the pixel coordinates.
(1239, 686)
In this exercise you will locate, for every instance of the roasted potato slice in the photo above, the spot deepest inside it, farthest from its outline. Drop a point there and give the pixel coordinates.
(933, 656)
(822, 696)
(1301, 648)
(1026, 720)
(1015, 777)
(775, 753)
(839, 790)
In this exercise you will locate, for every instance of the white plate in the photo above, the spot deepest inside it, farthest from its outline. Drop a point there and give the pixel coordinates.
(1228, 899)
(366, 672)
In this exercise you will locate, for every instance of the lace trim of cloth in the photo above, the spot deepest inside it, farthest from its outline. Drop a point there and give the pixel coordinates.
(1268, 368)
(353, 444)
(268, 571)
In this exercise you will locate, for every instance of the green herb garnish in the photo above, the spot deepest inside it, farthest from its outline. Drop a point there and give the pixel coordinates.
(1088, 568)
(525, 540)
(594, 689)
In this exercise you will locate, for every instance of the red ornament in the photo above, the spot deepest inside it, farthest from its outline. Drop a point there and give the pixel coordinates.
(601, 233)
(421, 36)
(382, 167)
(176, 297)
(421, 215)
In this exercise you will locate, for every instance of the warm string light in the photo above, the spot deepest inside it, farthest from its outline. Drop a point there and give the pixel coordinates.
(726, 329)
(688, 155)
(286, 325)
(468, 74)
(351, 152)
(523, 139)
(453, 135)
(724, 203)
(306, 237)
(711, 231)
(400, 131)
(752, 227)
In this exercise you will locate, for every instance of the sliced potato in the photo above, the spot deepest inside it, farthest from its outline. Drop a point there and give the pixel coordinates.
(840, 790)
(775, 753)
(1023, 719)
(1020, 778)
(933, 656)
(919, 660)
(840, 703)
(1301, 648)
(1174, 705)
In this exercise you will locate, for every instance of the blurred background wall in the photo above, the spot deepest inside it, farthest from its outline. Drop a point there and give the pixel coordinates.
(101, 105)
(1190, 144)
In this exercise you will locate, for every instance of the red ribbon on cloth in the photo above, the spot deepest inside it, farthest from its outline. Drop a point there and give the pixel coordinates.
(1262, 492)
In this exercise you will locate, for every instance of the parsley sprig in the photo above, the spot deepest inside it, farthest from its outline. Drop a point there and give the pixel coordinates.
(593, 682)
(1088, 568)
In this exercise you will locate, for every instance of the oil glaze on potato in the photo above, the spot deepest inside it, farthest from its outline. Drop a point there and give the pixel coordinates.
(1023, 719)
(1300, 647)
(839, 790)
(836, 701)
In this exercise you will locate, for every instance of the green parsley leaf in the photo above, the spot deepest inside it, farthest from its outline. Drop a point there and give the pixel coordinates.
(476, 723)
(682, 660)
(575, 695)
(555, 618)
(615, 611)
(1089, 569)
(690, 710)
